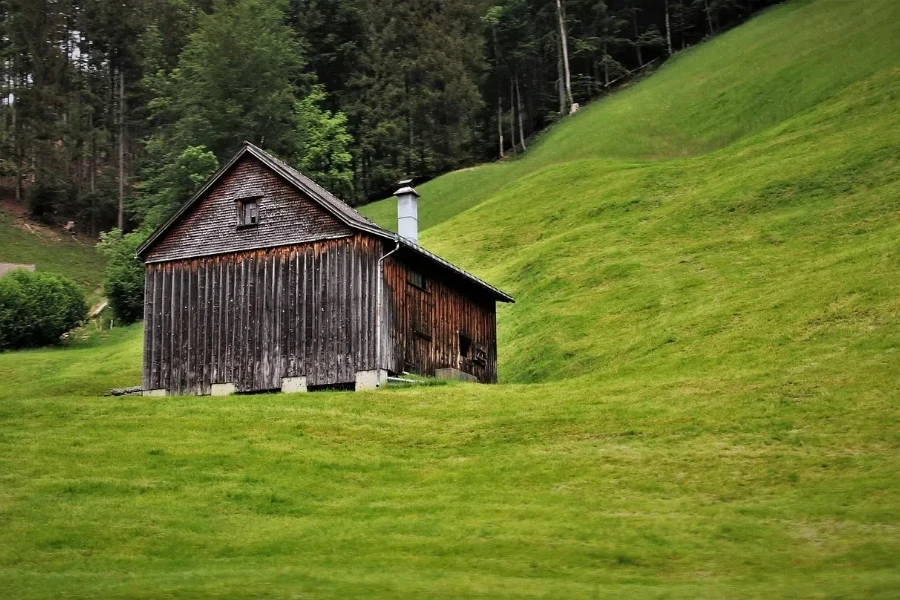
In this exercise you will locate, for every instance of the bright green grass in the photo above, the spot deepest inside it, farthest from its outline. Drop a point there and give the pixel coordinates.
(649, 485)
(73, 258)
(701, 395)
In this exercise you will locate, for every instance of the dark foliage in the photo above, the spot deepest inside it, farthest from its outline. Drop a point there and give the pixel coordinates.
(47, 197)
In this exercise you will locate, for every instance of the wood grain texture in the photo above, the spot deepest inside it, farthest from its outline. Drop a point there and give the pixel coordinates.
(422, 327)
(252, 318)
(295, 296)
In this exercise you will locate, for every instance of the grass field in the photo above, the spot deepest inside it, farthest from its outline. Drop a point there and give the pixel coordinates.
(700, 392)
(50, 251)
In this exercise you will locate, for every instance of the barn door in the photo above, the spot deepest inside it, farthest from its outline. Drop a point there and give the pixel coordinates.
(421, 330)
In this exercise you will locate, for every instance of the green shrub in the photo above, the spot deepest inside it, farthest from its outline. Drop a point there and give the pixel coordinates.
(123, 280)
(37, 308)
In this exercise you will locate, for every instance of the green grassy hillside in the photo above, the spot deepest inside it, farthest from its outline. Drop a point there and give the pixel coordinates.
(729, 193)
(700, 376)
(50, 251)
(735, 86)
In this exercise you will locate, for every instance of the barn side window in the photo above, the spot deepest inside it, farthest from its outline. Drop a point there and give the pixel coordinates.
(422, 315)
(472, 352)
(248, 212)
(416, 279)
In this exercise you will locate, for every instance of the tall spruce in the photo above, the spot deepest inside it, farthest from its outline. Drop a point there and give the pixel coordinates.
(413, 103)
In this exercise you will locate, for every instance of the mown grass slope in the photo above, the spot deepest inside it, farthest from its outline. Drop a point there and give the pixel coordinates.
(67, 256)
(700, 394)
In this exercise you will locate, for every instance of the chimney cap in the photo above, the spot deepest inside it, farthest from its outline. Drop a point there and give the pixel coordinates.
(406, 188)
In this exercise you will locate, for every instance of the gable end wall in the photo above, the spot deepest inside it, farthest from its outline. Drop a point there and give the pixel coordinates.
(286, 216)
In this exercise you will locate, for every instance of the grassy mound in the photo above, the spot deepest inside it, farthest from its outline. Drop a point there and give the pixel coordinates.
(640, 486)
(701, 369)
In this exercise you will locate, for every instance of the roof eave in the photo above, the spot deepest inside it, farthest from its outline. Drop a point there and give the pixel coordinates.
(497, 293)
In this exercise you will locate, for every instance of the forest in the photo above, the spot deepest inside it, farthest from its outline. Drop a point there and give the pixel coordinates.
(114, 112)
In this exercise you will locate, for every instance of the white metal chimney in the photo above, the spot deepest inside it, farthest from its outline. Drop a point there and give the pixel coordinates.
(408, 211)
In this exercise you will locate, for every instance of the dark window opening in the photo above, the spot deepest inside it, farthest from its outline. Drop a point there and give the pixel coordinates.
(248, 213)
(416, 279)
(465, 346)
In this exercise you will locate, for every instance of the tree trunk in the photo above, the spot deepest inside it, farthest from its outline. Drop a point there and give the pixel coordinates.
(17, 140)
(708, 16)
(121, 216)
(637, 39)
(512, 117)
(92, 176)
(409, 128)
(499, 93)
(668, 29)
(563, 40)
(605, 68)
(519, 110)
(500, 122)
(560, 86)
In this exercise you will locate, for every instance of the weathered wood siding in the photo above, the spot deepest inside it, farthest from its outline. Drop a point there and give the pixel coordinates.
(285, 217)
(252, 318)
(422, 327)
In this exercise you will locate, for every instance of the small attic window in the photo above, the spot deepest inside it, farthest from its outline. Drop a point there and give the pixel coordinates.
(248, 212)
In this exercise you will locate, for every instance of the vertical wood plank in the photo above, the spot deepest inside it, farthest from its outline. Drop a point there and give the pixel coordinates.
(226, 343)
(215, 283)
(148, 330)
(290, 299)
(165, 346)
(353, 307)
(306, 330)
(178, 331)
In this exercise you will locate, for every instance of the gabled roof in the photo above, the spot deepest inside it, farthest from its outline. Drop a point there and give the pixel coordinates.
(331, 203)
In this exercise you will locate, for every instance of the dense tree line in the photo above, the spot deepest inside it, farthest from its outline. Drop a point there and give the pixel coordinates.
(112, 112)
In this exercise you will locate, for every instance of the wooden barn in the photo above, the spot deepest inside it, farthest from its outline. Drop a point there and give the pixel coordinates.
(265, 281)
